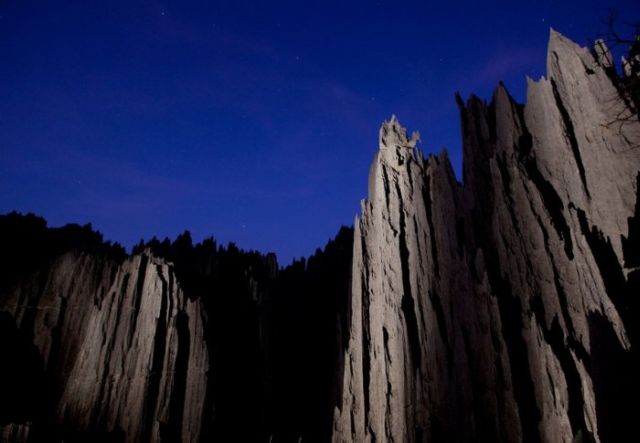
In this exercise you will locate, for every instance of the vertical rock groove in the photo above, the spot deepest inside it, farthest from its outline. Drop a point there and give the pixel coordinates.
(570, 133)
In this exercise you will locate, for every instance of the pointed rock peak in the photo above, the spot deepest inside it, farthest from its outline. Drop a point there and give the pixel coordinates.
(556, 37)
(501, 97)
(472, 101)
(459, 101)
(557, 40)
(393, 134)
(501, 92)
(444, 155)
(559, 44)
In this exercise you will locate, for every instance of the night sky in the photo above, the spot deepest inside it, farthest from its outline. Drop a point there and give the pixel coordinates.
(254, 122)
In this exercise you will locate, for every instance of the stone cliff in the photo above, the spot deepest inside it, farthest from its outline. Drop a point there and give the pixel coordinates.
(503, 309)
(176, 342)
(122, 345)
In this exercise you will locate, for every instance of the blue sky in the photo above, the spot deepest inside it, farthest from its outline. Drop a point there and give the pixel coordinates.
(254, 122)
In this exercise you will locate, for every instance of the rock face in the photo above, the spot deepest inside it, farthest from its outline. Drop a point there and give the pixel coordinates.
(177, 342)
(122, 343)
(503, 309)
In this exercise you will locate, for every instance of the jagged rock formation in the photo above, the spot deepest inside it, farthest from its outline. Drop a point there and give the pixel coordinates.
(123, 344)
(503, 309)
(177, 342)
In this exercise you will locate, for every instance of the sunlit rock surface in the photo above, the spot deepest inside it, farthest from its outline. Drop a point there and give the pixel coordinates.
(124, 342)
(176, 342)
(503, 309)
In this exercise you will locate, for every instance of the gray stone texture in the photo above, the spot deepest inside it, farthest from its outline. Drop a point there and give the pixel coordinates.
(503, 308)
(126, 343)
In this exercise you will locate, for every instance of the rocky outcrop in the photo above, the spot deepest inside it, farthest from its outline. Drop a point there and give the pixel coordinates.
(122, 345)
(502, 309)
(177, 342)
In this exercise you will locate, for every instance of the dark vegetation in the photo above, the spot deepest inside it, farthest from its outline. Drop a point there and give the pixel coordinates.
(308, 309)
(272, 334)
(623, 37)
(28, 244)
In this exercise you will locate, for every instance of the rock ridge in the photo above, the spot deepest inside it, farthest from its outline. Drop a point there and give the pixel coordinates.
(501, 309)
